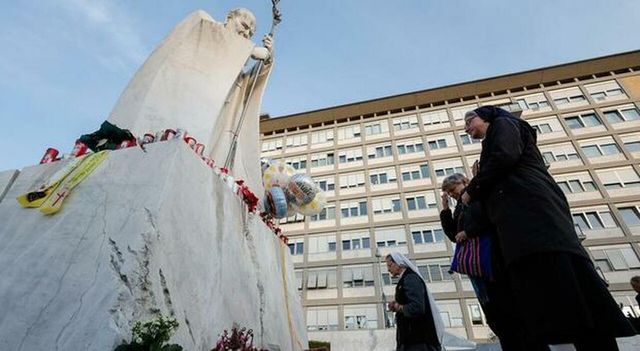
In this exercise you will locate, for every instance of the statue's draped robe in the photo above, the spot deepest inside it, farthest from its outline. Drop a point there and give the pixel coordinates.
(185, 83)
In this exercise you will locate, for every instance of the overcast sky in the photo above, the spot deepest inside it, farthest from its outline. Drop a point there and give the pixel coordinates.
(65, 62)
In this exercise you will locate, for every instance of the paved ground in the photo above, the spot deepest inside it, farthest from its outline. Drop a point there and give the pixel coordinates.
(625, 344)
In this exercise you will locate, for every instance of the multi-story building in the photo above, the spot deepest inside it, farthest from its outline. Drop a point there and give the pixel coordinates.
(381, 163)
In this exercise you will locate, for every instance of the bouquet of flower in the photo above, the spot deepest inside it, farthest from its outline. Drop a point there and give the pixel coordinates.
(152, 336)
(238, 340)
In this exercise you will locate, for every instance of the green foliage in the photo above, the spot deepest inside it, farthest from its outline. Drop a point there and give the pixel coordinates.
(152, 336)
(320, 345)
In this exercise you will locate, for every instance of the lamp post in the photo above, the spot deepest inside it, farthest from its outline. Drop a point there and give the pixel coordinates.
(387, 323)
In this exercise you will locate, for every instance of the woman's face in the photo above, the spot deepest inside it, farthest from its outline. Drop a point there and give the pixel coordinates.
(475, 126)
(393, 268)
(456, 190)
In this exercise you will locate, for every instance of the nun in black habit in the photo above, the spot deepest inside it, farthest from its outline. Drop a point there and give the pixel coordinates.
(546, 273)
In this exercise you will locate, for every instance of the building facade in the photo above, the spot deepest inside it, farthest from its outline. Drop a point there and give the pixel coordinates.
(382, 162)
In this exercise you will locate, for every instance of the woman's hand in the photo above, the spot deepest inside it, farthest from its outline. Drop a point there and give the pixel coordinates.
(445, 201)
(460, 237)
(466, 198)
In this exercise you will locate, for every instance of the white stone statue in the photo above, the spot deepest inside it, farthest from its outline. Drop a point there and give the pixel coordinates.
(196, 80)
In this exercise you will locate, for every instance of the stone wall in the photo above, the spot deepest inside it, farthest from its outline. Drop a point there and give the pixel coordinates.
(147, 233)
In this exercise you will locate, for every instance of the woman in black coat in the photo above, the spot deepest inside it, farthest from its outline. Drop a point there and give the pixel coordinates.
(468, 222)
(549, 277)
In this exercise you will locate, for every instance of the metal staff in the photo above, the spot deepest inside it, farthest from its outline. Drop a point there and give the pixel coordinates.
(228, 163)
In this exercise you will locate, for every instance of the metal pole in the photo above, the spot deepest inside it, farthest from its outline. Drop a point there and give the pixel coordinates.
(387, 323)
(277, 18)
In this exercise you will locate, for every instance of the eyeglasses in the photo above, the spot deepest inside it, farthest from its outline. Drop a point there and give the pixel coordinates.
(467, 122)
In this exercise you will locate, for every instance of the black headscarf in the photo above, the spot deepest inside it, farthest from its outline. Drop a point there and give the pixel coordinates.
(490, 113)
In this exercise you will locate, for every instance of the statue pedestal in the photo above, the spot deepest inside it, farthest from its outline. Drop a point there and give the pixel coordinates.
(145, 234)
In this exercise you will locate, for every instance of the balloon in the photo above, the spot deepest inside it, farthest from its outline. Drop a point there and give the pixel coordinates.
(315, 206)
(277, 175)
(301, 189)
(276, 203)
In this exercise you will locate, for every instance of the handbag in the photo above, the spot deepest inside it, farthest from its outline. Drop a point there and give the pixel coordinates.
(473, 258)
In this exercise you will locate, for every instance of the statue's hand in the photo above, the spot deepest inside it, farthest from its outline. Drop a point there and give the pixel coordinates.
(267, 41)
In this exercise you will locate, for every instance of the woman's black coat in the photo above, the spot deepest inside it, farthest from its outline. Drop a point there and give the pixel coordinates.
(529, 210)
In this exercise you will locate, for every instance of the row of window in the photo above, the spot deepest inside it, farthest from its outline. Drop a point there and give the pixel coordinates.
(434, 120)
(573, 183)
(365, 316)
(592, 148)
(585, 219)
(608, 258)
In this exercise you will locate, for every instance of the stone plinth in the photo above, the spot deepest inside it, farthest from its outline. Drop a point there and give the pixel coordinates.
(147, 233)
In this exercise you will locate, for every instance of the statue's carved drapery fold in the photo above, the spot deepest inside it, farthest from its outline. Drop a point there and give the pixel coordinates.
(194, 81)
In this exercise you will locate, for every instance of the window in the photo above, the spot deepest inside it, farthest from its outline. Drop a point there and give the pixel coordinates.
(435, 270)
(410, 146)
(559, 153)
(390, 237)
(446, 171)
(542, 128)
(298, 275)
(271, 145)
(328, 212)
(379, 151)
(405, 123)
(427, 236)
(622, 114)
(360, 317)
(441, 141)
(296, 218)
(319, 244)
(630, 215)
(584, 120)
(351, 180)
(321, 136)
(459, 112)
(476, 314)
(593, 219)
(382, 176)
(322, 318)
(451, 313)
(321, 279)
(468, 140)
(435, 117)
(532, 102)
(353, 209)
(567, 96)
(355, 241)
(631, 142)
(348, 156)
(386, 204)
(387, 279)
(437, 144)
(576, 183)
(296, 247)
(326, 184)
(603, 90)
(615, 258)
(415, 172)
(357, 276)
(602, 147)
(320, 160)
(374, 128)
(297, 140)
(619, 178)
(421, 202)
(349, 132)
(299, 162)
